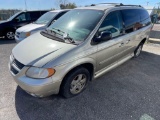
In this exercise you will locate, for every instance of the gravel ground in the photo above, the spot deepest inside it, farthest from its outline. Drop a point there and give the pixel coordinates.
(129, 92)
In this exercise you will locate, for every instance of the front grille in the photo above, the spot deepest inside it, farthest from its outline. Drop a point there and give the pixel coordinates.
(15, 65)
(18, 64)
(14, 70)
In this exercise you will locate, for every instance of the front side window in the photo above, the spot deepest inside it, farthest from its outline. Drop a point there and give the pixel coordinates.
(21, 18)
(77, 23)
(113, 24)
(44, 19)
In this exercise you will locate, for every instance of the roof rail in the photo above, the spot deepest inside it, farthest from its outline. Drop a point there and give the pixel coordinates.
(106, 3)
(128, 5)
(116, 4)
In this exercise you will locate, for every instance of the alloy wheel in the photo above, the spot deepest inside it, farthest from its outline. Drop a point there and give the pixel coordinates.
(10, 35)
(78, 84)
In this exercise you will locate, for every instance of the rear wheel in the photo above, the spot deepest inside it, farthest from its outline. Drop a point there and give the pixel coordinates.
(10, 35)
(138, 50)
(75, 82)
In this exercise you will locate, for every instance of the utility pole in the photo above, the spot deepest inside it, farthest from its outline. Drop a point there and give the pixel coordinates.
(25, 5)
(147, 3)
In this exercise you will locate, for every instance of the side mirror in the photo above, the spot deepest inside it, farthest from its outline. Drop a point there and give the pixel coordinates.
(104, 36)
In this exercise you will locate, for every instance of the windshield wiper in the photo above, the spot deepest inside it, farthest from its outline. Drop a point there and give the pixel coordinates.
(65, 35)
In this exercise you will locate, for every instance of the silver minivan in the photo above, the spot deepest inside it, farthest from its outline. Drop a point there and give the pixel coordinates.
(42, 23)
(80, 46)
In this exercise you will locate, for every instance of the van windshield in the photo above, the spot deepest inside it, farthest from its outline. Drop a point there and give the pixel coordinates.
(44, 19)
(12, 17)
(77, 23)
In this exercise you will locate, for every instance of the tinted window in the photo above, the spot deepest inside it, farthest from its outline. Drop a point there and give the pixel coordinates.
(144, 14)
(22, 17)
(131, 19)
(112, 23)
(28, 16)
(145, 18)
(34, 15)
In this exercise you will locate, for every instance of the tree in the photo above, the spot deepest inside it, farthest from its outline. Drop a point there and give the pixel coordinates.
(68, 6)
(65, 4)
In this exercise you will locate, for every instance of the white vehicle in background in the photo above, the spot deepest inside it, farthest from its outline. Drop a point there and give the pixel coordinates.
(42, 23)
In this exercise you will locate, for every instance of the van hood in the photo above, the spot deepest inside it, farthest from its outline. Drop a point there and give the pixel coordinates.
(38, 50)
(30, 27)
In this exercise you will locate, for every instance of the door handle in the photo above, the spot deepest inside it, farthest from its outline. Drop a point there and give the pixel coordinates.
(128, 41)
(121, 45)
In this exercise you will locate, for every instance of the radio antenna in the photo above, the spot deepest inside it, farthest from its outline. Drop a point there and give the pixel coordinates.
(25, 5)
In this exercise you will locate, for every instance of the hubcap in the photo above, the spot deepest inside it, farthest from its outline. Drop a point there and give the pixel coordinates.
(78, 84)
(10, 35)
(138, 50)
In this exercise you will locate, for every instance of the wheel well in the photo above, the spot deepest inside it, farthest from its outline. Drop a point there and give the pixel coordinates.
(88, 66)
(143, 41)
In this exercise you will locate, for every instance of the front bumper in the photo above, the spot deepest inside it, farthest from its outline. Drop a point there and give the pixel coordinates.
(36, 87)
(18, 39)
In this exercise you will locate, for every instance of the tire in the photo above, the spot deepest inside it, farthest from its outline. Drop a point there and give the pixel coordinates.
(9, 35)
(75, 82)
(138, 50)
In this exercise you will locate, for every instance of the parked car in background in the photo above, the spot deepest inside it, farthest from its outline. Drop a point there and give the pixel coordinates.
(8, 27)
(81, 45)
(154, 18)
(42, 23)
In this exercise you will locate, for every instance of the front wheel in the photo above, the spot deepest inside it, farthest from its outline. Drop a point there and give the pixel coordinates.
(75, 82)
(10, 35)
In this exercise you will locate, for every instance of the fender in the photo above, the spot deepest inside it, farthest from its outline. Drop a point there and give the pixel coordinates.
(64, 69)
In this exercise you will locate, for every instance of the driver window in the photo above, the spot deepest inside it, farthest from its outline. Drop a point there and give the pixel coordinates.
(21, 18)
(113, 24)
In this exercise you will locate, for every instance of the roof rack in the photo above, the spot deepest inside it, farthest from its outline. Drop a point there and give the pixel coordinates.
(128, 5)
(106, 3)
(116, 4)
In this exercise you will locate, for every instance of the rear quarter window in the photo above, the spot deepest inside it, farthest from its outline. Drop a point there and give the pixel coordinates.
(130, 17)
(135, 19)
(145, 18)
(35, 15)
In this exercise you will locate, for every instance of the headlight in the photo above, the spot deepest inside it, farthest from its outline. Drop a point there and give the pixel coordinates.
(35, 72)
(28, 34)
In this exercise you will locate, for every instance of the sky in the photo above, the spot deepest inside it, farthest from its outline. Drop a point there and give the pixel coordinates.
(48, 4)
